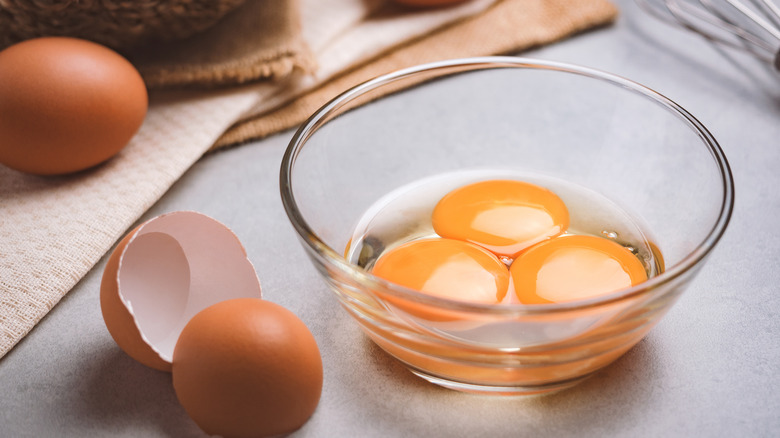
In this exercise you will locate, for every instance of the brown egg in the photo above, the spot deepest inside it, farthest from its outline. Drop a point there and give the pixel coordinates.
(66, 105)
(247, 368)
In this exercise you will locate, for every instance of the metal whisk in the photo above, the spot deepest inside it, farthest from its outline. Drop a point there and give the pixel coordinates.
(749, 25)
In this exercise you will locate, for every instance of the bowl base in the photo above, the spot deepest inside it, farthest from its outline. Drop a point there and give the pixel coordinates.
(498, 390)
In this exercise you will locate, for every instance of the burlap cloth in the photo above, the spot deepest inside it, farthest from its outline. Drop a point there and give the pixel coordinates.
(291, 58)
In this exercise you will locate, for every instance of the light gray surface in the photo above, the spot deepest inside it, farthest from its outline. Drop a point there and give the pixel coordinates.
(710, 368)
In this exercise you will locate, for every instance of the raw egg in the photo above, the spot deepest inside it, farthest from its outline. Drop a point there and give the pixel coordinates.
(446, 268)
(503, 216)
(66, 105)
(574, 267)
(247, 368)
(165, 271)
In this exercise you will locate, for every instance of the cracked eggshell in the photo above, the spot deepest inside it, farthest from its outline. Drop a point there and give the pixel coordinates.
(163, 273)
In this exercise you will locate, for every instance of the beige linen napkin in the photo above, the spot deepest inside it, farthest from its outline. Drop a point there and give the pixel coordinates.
(54, 230)
(509, 26)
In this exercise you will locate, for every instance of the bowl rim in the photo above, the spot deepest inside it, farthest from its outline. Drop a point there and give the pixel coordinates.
(320, 250)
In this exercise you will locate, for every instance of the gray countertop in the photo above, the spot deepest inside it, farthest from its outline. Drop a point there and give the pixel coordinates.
(710, 368)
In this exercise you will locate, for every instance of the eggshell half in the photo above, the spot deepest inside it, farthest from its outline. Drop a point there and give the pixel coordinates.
(163, 273)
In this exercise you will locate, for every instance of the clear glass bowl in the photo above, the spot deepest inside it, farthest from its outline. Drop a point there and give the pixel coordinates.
(597, 130)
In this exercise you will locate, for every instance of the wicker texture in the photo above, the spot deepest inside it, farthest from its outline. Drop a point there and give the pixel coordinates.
(115, 23)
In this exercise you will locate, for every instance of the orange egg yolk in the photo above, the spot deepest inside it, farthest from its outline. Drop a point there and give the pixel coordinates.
(503, 216)
(446, 268)
(574, 267)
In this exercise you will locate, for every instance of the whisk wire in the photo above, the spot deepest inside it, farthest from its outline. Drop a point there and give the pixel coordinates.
(773, 9)
(682, 12)
(764, 24)
(730, 24)
(733, 23)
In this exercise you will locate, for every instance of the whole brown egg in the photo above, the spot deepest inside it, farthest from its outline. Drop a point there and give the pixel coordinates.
(66, 105)
(247, 367)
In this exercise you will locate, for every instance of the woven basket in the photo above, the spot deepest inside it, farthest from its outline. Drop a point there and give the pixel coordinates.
(116, 23)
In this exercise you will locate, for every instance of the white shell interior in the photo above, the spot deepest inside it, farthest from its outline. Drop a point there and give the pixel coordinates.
(177, 265)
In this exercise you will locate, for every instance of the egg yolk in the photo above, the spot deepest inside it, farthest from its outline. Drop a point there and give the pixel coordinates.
(574, 267)
(503, 216)
(446, 268)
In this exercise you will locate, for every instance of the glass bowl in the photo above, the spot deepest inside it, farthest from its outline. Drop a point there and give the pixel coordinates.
(463, 119)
